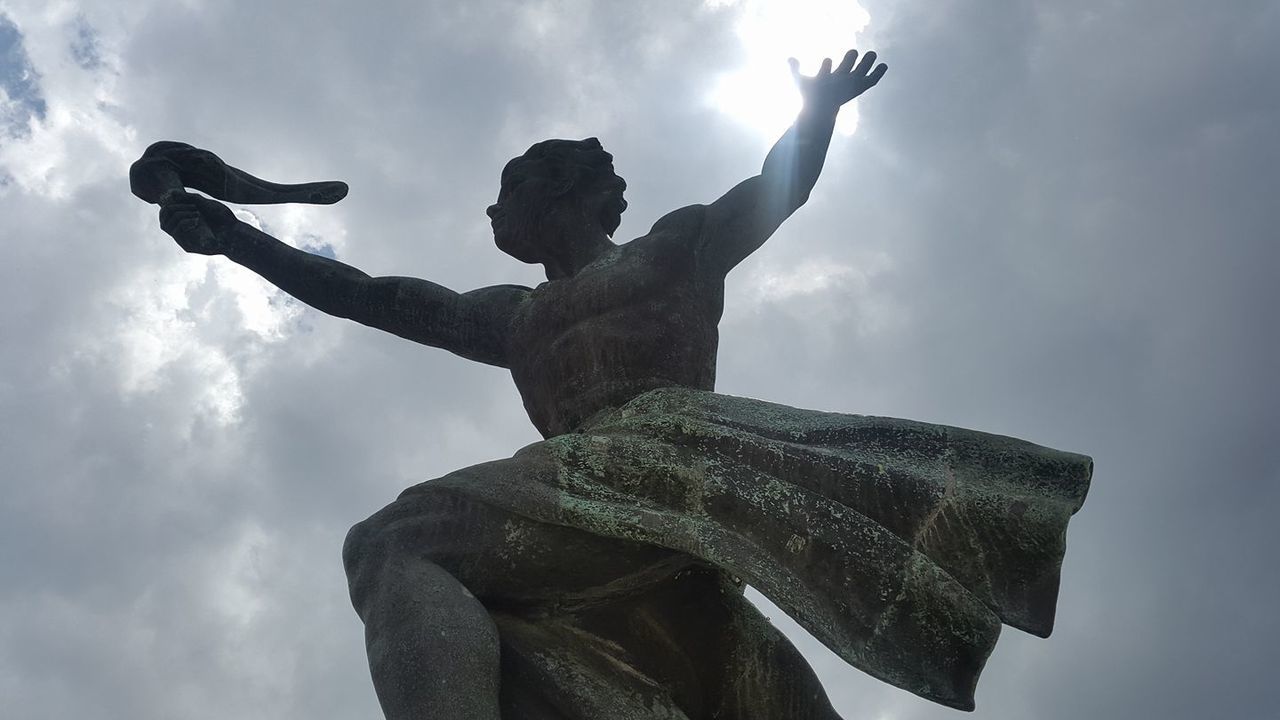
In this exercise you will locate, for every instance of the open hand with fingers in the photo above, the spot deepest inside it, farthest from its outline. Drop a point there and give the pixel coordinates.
(833, 88)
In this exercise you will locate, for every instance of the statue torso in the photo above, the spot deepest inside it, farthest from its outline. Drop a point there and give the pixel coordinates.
(637, 318)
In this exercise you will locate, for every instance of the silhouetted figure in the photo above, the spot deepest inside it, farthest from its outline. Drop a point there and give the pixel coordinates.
(599, 573)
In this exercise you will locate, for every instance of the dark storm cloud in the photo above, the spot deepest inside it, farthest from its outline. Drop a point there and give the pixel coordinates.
(1053, 222)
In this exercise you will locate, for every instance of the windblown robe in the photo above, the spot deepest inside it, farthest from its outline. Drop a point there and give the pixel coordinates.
(902, 546)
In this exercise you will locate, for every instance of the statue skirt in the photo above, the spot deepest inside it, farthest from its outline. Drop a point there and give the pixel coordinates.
(902, 546)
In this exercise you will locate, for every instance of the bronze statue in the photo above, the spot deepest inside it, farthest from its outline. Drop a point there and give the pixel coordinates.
(599, 573)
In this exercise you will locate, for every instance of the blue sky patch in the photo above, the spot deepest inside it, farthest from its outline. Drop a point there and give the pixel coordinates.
(85, 48)
(318, 246)
(19, 81)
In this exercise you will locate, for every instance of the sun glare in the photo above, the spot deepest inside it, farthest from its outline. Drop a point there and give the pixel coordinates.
(761, 93)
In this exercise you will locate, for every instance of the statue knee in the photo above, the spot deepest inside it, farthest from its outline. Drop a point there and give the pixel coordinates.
(363, 552)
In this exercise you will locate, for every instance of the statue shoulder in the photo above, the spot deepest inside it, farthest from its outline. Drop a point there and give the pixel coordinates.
(686, 221)
(676, 233)
(497, 299)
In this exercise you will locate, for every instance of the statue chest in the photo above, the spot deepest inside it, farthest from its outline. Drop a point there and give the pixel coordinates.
(622, 299)
(623, 325)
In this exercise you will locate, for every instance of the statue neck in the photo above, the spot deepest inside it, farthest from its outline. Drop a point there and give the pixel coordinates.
(579, 252)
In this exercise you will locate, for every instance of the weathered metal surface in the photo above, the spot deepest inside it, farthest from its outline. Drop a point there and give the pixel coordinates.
(599, 573)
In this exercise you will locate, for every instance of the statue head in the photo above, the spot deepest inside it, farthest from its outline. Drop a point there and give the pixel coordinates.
(554, 192)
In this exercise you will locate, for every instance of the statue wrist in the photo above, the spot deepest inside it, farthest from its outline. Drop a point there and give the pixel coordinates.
(820, 106)
(231, 239)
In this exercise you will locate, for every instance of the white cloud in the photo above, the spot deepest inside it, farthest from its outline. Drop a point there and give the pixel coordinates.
(1068, 246)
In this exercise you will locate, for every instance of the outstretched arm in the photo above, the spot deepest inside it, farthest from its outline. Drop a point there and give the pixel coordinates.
(472, 324)
(740, 221)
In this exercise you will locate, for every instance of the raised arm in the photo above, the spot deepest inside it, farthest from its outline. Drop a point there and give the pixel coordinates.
(739, 222)
(472, 324)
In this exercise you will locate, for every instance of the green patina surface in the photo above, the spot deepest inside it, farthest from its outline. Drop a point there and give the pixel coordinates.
(902, 546)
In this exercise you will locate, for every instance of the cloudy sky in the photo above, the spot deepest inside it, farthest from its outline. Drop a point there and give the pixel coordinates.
(1050, 220)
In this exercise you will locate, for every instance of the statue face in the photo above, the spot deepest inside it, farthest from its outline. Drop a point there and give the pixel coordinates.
(519, 216)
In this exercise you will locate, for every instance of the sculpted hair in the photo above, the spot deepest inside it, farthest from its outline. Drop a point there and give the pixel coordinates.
(580, 164)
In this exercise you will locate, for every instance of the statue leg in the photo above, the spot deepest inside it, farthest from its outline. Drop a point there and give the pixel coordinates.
(428, 571)
(765, 676)
(433, 648)
(712, 649)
